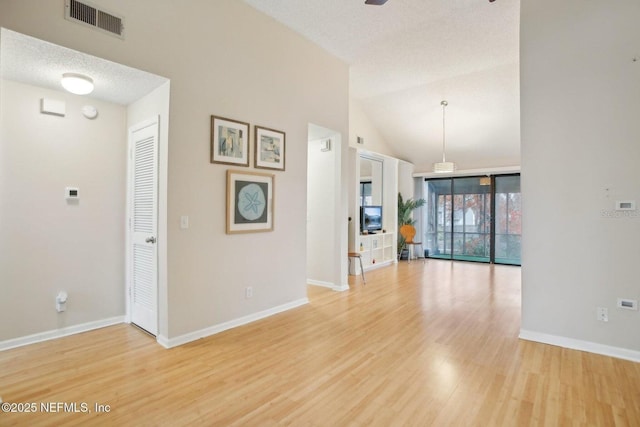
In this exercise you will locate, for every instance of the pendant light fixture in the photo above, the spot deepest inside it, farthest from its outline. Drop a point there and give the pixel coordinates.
(444, 166)
(485, 180)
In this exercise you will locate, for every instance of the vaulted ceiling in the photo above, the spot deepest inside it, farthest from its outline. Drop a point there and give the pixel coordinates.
(407, 56)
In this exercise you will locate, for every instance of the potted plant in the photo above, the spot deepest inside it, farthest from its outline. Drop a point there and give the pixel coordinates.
(405, 209)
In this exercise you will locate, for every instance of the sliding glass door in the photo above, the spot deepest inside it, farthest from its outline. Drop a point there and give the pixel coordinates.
(438, 218)
(508, 234)
(471, 220)
(459, 222)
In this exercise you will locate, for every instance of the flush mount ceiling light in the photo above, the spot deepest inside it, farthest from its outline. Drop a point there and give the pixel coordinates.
(77, 83)
(444, 166)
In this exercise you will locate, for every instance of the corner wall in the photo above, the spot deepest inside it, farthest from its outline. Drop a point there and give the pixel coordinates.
(580, 106)
(47, 243)
(361, 126)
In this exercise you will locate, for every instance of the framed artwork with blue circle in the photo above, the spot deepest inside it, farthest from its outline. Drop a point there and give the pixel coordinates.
(249, 202)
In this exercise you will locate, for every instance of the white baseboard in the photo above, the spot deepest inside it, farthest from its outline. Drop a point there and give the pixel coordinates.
(341, 288)
(590, 347)
(163, 341)
(380, 265)
(59, 333)
(215, 329)
(329, 285)
(320, 283)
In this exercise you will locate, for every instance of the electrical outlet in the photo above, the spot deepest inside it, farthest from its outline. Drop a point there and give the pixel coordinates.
(248, 292)
(61, 301)
(603, 314)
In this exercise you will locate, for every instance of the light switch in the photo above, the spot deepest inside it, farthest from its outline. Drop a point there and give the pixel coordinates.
(184, 222)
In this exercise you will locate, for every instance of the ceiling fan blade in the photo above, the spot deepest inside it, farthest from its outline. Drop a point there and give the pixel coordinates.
(375, 2)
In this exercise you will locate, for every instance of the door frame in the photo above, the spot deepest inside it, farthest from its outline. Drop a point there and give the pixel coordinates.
(492, 229)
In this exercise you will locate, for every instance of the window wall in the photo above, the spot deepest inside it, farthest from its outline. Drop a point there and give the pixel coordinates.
(508, 224)
(459, 222)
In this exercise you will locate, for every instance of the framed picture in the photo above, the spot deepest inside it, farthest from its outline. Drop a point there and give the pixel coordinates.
(270, 149)
(249, 201)
(229, 141)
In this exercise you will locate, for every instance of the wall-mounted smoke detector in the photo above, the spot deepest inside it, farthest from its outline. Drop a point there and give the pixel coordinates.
(90, 15)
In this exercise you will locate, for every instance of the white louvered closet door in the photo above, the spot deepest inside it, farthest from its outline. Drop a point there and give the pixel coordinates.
(143, 226)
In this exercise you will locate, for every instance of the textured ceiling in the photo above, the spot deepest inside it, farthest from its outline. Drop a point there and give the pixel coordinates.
(28, 60)
(405, 57)
(408, 55)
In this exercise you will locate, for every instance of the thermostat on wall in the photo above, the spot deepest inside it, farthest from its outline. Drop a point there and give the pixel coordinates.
(71, 193)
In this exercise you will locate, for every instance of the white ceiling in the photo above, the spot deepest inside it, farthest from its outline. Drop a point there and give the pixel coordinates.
(408, 55)
(405, 57)
(36, 62)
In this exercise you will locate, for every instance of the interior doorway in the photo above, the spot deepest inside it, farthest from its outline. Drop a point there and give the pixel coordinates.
(324, 252)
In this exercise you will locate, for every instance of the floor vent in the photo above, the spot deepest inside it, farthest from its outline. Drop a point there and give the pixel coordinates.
(87, 14)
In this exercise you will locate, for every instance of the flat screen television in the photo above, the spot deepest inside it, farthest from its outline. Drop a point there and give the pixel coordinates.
(370, 218)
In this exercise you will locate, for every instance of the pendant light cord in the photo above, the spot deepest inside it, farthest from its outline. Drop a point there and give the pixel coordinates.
(444, 104)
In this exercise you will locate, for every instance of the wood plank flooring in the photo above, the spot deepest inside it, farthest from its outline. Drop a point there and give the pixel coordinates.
(421, 344)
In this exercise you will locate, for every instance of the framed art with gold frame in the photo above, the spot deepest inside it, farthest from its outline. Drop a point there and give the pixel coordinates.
(250, 199)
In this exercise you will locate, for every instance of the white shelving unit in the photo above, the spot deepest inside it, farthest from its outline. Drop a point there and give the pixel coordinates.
(377, 250)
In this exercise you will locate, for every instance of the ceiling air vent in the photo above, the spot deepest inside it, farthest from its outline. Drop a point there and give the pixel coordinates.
(87, 14)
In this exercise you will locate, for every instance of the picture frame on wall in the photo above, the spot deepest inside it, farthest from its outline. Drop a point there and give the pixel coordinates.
(269, 148)
(229, 141)
(250, 200)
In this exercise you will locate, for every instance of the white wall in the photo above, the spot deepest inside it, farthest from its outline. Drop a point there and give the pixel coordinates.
(230, 60)
(580, 130)
(406, 182)
(46, 243)
(361, 126)
(390, 194)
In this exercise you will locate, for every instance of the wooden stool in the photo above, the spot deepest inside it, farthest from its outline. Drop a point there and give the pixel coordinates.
(357, 255)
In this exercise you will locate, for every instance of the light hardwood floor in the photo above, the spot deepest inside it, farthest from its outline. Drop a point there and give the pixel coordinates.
(418, 345)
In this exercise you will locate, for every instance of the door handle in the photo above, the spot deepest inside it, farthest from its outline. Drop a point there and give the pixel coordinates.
(150, 239)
